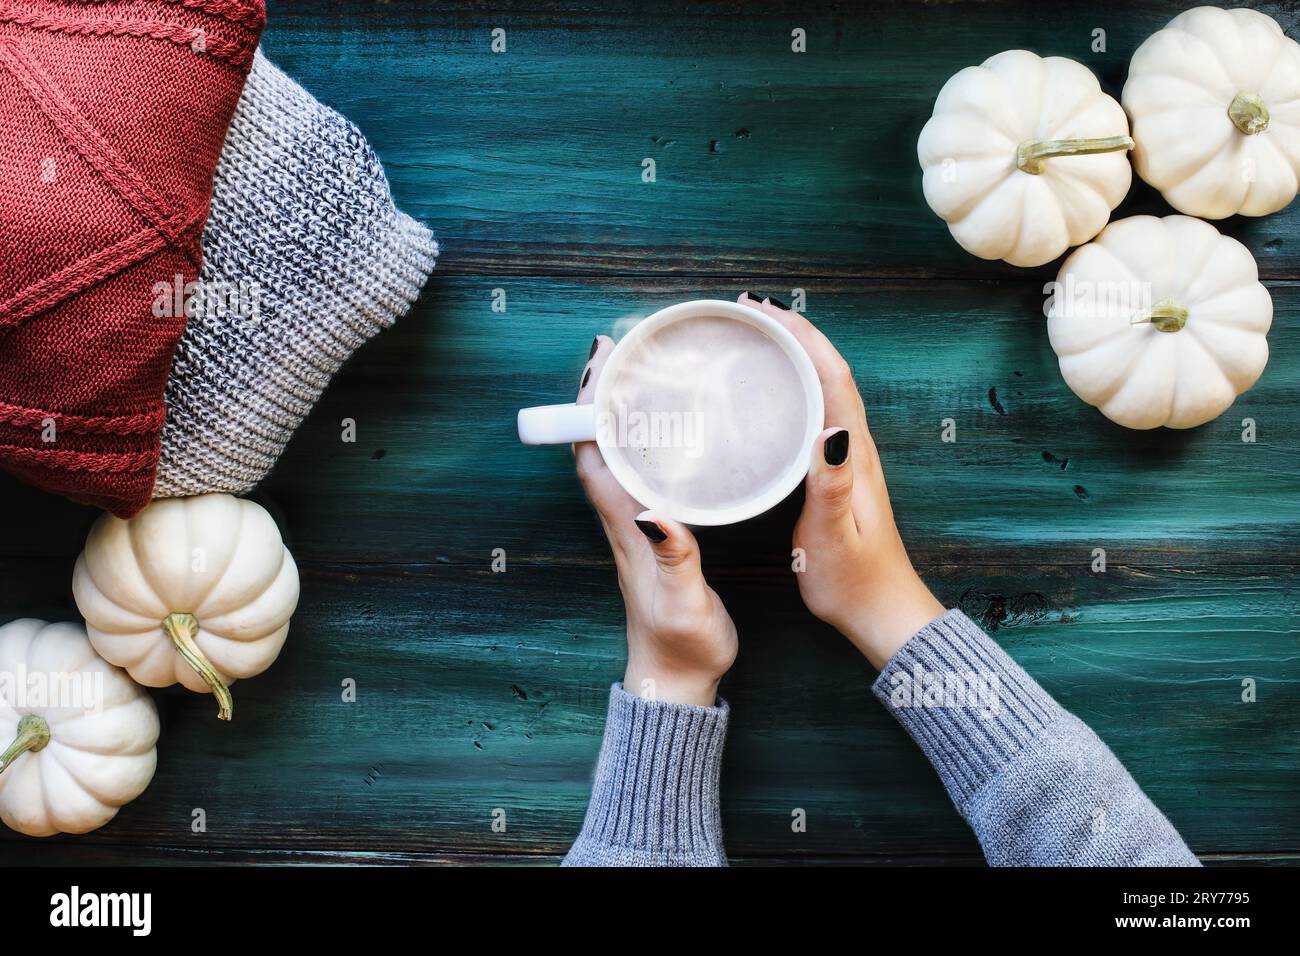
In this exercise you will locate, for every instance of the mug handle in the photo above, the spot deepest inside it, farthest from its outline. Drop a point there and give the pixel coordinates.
(557, 424)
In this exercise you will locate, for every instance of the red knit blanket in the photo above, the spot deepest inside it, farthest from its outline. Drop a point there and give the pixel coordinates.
(112, 117)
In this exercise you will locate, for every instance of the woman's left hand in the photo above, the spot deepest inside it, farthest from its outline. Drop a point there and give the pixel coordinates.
(680, 638)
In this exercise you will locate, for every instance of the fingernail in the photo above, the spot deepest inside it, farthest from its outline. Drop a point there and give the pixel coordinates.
(752, 298)
(595, 344)
(836, 448)
(585, 375)
(652, 531)
(778, 303)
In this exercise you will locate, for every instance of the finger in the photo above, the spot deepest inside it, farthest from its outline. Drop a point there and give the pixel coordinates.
(828, 507)
(839, 391)
(615, 506)
(601, 347)
(677, 555)
(813, 340)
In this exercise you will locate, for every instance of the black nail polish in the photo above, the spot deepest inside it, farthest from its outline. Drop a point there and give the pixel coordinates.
(585, 375)
(778, 303)
(595, 344)
(751, 297)
(651, 531)
(836, 448)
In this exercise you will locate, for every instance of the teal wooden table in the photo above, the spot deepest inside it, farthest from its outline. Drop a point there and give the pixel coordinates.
(775, 171)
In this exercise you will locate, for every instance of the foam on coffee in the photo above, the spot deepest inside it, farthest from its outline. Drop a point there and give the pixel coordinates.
(710, 412)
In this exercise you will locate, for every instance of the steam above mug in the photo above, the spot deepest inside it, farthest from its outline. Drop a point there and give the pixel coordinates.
(706, 411)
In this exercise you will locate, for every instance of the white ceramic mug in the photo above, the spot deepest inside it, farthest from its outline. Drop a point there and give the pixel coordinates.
(561, 424)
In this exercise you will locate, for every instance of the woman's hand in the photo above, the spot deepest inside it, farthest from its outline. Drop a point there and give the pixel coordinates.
(858, 577)
(680, 639)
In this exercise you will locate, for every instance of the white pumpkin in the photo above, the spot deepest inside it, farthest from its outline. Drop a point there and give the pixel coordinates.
(1024, 157)
(77, 734)
(1215, 102)
(1160, 322)
(196, 590)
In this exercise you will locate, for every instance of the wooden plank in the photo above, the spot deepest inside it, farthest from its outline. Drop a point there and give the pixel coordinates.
(1035, 476)
(70, 854)
(790, 166)
(479, 691)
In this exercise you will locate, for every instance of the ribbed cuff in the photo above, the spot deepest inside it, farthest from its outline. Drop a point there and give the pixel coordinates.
(967, 704)
(655, 798)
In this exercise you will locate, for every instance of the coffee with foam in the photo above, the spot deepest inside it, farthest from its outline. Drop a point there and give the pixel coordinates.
(709, 412)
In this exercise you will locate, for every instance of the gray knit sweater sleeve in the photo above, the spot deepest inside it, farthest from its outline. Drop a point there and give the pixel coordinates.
(655, 799)
(1035, 784)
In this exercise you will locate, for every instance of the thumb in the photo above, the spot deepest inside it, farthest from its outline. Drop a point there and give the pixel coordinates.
(828, 506)
(677, 556)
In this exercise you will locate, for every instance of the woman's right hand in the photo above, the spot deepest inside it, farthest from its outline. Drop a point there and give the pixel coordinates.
(857, 576)
(680, 638)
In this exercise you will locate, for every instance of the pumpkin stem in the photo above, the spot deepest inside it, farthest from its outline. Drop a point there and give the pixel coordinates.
(33, 735)
(1248, 113)
(182, 628)
(1167, 316)
(1031, 153)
